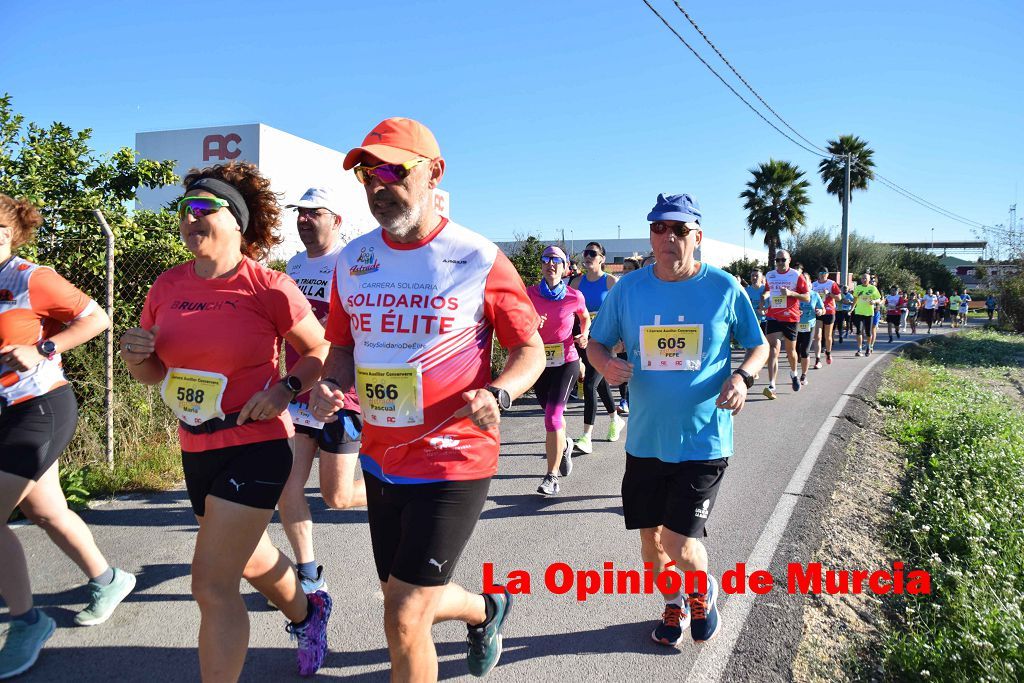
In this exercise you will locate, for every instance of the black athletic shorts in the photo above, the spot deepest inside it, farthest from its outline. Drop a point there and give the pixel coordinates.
(33, 433)
(892, 318)
(862, 323)
(252, 474)
(340, 436)
(678, 496)
(827, 319)
(788, 330)
(803, 343)
(418, 531)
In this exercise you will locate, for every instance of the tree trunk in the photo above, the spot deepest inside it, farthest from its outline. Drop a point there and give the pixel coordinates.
(771, 255)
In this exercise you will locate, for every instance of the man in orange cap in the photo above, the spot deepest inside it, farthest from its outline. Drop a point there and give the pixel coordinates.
(414, 307)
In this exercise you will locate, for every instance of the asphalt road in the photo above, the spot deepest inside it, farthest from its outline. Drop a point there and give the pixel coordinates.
(153, 635)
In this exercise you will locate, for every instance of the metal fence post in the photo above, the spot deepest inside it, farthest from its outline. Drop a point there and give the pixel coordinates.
(108, 401)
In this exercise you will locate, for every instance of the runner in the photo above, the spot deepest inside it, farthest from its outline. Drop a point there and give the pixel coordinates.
(595, 284)
(413, 310)
(784, 290)
(629, 264)
(42, 315)
(756, 292)
(990, 306)
(559, 307)
(318, 222)
(829, 292)
(965, 307)
(844, 313)
(810, 311)
(676, 320)
(954, 307)
(942, 310)
(210, 335)
(866, 297)
(913, 308)
(929, 308)
(876, 318)
(894, 303)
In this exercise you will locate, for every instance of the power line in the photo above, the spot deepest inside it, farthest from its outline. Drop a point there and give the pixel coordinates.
(726, 84)
(890, 184)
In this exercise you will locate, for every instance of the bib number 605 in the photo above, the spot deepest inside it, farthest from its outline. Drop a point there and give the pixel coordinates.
(671, 343)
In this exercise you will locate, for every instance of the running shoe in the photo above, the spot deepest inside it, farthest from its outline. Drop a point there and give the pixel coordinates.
(312, 634)
(24, 641)
(890, 339)
(615, 428)
(897, 334)
(485, 640)
(868, 352)
(623, 408)
(858, 353)
(105, 599)
(548, 485)
(670, 630)
(796, 382)
(584, 445)
(828, 358)
(769, 392)
(704, 620)
(817, 364)
(565, 467)
(803, 380)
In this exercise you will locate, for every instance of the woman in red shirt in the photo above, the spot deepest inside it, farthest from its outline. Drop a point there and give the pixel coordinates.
(210, 334)
(41, 316)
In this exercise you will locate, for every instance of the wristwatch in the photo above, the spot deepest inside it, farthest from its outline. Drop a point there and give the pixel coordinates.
(748, 379)
(292, 384)
(47, 349)
(501, 396)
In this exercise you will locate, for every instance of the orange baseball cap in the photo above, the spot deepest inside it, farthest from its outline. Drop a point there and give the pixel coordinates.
(395, 141)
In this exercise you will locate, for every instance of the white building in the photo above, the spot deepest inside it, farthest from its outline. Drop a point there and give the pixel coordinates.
(293, 165)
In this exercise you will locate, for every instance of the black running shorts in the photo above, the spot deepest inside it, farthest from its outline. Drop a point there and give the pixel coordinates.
(678, 496)
(339, 437)
(33, 433)
(862, 324)
(418, 531)
(252, 474)
(788, 330)
(892, 318)
(803, 344)
(827, 319)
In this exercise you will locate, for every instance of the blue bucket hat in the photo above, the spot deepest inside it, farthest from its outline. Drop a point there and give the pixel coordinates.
(675, 207)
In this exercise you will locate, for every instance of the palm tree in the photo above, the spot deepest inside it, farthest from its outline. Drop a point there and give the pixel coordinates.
(833, 169)
(775, 201)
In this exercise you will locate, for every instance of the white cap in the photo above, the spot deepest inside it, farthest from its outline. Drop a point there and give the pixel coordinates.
(318, 198)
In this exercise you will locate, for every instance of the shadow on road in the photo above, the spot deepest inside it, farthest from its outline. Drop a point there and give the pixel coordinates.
(528, 505)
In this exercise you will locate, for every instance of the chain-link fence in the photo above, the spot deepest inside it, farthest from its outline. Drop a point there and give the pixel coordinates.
(120, 420)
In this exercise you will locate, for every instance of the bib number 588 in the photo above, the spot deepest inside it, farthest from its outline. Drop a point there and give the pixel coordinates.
(190, 395)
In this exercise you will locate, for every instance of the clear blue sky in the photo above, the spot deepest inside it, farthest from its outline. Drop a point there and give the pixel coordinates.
(566, 114)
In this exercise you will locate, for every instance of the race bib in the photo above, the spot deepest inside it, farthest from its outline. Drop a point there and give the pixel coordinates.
(554, 355)
(301, 415)
(194, 395)
(778, 301)
(390, 395)
(671, 347)
(803, 327)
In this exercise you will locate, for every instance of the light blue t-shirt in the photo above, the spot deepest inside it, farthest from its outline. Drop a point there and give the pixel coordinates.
(673, 416)
(754, 294)
(807, 314)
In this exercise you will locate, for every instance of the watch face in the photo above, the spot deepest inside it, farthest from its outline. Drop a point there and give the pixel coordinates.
(293, 383)
(47, 347)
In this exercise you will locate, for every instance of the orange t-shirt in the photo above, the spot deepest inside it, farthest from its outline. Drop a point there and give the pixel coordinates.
(233, 326)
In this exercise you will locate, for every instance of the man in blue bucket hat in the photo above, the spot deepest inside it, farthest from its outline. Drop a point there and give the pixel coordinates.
(676, 319)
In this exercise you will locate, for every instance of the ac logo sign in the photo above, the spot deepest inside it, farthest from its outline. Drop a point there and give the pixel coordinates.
(218, 146)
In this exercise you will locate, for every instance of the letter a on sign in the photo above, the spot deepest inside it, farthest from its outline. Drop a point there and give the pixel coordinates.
(218, 146)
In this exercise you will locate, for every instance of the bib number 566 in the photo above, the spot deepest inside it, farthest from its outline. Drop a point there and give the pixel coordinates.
(381, 391)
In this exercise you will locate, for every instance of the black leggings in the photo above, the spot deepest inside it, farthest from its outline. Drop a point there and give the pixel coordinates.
(594, 385)
(552, 391)
(624, 387)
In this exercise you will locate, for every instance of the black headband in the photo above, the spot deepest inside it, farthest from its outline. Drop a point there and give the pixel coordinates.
(227, 192)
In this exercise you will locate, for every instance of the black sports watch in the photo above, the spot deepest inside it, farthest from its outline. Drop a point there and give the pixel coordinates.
(748, 379)
(292, 384)
(47, 349)
(501, 396)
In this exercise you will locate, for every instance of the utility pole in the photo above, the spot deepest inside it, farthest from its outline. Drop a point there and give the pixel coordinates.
(620, 231)
(845, 265)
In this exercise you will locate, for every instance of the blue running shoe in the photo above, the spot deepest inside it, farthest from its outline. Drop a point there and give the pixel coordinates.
(24, 641)
(796, 383)
(485, 640)
(312, 634)
(704, 621)
(670, 630)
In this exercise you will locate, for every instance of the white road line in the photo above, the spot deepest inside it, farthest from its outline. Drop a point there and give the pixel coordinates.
(714, 656)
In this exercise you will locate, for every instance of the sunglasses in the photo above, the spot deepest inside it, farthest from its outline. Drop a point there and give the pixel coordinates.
(679, 229)
(552, 259)
(781, 259)
(200, 206)
(592, 253)
(386, 173)
(311, 213)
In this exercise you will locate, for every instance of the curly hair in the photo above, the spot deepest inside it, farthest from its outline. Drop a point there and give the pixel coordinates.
(264, 213)
(22, 217)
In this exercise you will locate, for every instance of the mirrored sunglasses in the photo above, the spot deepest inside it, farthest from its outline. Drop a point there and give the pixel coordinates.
(200, 206)
(386, 173)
